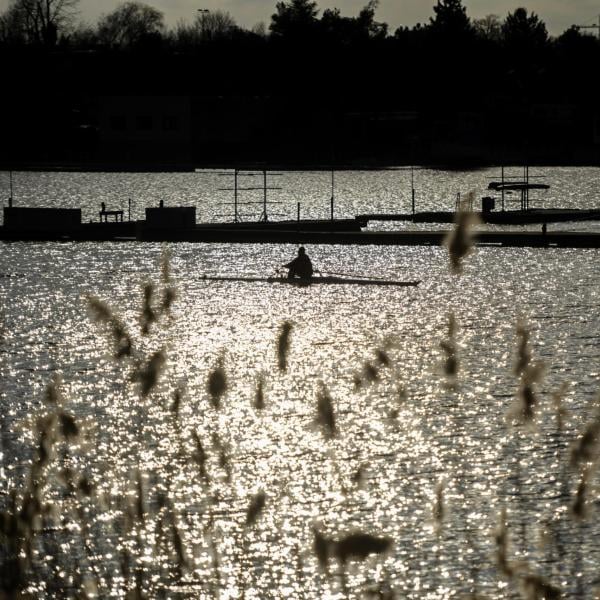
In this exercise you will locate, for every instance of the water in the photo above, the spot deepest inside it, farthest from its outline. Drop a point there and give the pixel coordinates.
(406, 432)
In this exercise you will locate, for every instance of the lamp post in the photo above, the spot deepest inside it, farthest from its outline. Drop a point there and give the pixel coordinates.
(203, 12)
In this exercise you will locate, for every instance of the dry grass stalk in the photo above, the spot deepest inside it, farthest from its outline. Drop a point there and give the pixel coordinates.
(459, 240)
(283, 345)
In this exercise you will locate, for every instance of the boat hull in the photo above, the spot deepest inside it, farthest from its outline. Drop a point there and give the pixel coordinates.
(325, 280)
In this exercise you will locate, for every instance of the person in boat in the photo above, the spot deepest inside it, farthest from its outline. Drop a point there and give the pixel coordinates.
(301, 266)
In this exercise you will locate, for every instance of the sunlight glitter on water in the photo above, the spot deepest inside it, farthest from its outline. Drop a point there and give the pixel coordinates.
(399, 435)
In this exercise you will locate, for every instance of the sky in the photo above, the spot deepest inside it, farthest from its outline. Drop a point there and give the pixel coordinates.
(557, 14)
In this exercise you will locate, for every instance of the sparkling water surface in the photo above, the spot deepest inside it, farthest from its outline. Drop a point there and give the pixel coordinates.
(400, 435)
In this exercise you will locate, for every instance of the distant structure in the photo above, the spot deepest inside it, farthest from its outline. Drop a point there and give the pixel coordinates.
(591, 27)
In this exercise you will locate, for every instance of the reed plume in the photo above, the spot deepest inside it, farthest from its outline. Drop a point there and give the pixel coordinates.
(101, 313)
(217, 383)
(148, 315)
(501, 540)
(283, 345)
(439, 508)
(530, 373)
(259, 396)
(535, 587)
(359, 545)
(147, 374)
(459, 240)
(255, 509)
(325, 412)
(449, 348)
(586, 447)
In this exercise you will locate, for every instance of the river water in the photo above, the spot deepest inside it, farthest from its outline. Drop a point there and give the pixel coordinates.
(401, 435)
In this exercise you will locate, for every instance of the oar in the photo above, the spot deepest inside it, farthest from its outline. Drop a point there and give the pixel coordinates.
(352, 275)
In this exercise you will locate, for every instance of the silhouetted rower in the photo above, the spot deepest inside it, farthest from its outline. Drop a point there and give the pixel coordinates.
(300, 266)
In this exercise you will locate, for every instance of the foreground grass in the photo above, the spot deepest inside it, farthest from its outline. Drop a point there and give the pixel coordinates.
(65, 536)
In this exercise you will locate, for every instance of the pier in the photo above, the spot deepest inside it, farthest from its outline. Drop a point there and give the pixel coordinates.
(177, 224)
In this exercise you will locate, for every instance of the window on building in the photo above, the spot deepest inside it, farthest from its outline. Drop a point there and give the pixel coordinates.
(118, 123)
(143, 123)
(170, 123)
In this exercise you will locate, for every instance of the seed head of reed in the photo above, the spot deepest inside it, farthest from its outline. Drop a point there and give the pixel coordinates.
(53, 397)
(257, 504)
(283, 345)
(560, 412)
(199, 456)
(523, 349)
(459, 240)
(579, 502)
(147, 374)
(148, 315)
(101, 313)
(359, 545)
(587, 445)
(165, 266)
(439, 509)
(536, 587)
(322, 547)
(527, 398)
(449, 349)
(217, 383)
(259, 396)
(501, 539)
(325, 412)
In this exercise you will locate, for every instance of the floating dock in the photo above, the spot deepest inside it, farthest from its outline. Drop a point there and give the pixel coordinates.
(508, 217)
(178, 225)
(135, 231)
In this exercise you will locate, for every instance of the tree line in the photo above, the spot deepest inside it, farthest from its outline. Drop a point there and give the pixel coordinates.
(309, 76)
(54, 23)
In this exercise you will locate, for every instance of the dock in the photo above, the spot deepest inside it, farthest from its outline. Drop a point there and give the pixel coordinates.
(136, 232)
(508, 217)
(178, 224)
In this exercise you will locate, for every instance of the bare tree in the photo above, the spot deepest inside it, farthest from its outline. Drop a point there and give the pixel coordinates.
(489, 27)
(207, 27)
(215, 25)
(130, 23)
(41, 21)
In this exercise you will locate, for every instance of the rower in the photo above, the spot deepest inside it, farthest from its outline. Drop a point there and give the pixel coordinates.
(300, 266)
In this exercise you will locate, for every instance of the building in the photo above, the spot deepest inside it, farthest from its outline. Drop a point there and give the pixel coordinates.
(142, 129)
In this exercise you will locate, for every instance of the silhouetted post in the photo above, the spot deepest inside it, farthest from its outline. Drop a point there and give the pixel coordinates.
(332, 191)
(129, 208)
(265, 195)
(10, 198)
(412, 187)
(298, 211)
(235, 196)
